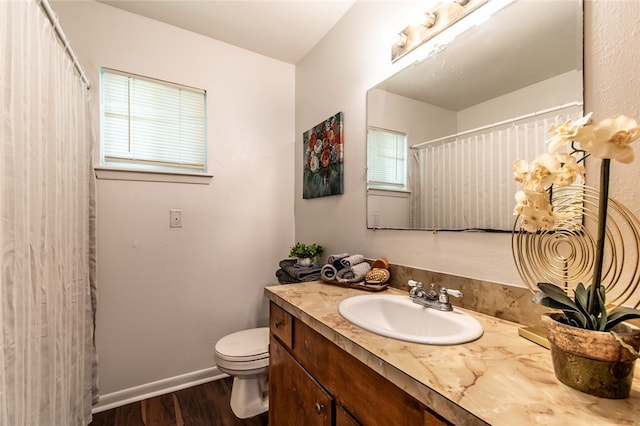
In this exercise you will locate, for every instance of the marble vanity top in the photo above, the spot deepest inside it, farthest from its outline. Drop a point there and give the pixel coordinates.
(499, 379)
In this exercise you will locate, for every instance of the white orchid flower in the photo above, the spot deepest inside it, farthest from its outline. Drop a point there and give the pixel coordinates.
(565, 133)
(611, 138)
(534, 209)
(569, 171)
(546, 170)
(520, 171)
(536, 212)
(545, 167)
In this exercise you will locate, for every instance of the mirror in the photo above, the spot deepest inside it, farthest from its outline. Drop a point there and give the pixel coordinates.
(463, 115)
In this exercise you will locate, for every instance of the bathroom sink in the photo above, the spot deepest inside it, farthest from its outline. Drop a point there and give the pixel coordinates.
(400, 318)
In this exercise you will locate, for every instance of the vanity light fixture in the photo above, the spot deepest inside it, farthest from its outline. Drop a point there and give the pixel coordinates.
(442, 16)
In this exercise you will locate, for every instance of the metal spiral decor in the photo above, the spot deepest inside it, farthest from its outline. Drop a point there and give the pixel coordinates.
(565, 255)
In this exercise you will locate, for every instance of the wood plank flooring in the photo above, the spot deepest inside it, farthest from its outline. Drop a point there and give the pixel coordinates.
(202, 405)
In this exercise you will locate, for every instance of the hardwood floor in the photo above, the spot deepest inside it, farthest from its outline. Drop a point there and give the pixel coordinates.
(202, 405)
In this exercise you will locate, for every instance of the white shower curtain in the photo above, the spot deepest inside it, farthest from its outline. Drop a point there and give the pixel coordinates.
(467, 182)
(47, 227)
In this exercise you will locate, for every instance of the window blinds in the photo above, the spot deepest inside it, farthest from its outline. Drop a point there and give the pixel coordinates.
(386, 159)
(151, 123)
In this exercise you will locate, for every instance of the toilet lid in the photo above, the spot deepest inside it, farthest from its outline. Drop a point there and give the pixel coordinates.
(244, 345)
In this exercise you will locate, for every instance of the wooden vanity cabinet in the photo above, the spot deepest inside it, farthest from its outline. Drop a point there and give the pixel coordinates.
(313, 381)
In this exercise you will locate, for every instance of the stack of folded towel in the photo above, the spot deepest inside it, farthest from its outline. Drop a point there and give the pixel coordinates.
(345, 268)
(291, 272)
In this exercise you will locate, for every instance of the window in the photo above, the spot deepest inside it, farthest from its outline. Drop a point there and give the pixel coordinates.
(152, 125)
(386, 159)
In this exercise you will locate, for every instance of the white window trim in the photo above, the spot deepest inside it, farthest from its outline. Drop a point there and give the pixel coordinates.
(119, 173)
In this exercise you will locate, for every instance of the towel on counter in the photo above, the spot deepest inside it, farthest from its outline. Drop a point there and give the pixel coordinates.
(328, 272)
(352, 260)
(336, 258)
(355, 273)
(284, 278)
(290, 273)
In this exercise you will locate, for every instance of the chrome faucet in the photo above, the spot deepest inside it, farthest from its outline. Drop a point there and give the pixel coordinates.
(431, 298)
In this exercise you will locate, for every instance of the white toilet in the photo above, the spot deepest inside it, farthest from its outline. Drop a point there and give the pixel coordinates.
(245, 356)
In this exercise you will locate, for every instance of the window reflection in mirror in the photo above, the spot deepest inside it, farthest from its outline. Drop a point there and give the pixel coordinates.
(468, 111)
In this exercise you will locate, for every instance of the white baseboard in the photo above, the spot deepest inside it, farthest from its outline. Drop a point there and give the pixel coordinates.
(161, 387)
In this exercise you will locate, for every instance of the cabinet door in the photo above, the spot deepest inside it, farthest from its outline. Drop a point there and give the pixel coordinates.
(295, 398)
(343, 418)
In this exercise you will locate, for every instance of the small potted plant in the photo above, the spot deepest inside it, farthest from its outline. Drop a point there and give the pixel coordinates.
(592, 348)
(306, 254)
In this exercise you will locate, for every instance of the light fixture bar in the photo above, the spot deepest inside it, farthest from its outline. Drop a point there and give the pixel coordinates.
(441, 17)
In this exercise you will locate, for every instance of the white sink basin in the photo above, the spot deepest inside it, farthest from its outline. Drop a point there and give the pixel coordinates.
(400, 318)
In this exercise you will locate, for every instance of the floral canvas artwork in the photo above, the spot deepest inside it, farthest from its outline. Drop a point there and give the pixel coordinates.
(323, 158)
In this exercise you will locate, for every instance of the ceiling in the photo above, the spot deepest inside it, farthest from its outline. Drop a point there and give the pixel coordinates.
(285, 30)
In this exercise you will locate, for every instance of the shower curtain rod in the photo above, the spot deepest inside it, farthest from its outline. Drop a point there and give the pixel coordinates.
(44, 4)
(499, 123)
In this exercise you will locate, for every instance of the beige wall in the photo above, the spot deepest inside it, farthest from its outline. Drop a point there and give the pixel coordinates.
(166, 295)
(354, 57)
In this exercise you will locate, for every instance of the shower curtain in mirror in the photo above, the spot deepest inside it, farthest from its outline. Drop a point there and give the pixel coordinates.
(47, 244)
(467, 182)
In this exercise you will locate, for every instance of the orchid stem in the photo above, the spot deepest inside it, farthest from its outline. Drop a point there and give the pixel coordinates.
(602, 227)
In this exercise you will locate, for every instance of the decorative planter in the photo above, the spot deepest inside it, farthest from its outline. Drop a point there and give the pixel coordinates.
(590, 361)
(305, 261)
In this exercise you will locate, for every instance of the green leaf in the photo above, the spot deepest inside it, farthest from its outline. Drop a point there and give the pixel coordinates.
(603, 295)
(558, 295)
(575, 317)
(581, 296)
(582, 299)
(620, 314)
(542, 299)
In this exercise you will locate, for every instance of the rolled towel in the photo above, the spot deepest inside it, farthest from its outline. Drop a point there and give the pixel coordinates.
(338, 264)
(354, 274)
(352, 260)
(332, 258)
(328, 272)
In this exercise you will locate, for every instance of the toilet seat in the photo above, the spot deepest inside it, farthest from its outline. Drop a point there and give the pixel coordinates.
(245, 350)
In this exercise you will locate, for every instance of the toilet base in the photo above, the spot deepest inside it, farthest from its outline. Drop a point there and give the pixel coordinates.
(250, 396)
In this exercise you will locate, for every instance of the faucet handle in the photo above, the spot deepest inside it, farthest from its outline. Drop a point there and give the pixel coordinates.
(414, 283)
(416, 288)
(445, 292)
(454, 293)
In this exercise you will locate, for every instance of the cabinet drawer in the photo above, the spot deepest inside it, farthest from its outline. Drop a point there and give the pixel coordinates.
(281, 324)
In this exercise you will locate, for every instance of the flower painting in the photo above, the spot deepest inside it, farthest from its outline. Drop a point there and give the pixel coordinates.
(323, 158)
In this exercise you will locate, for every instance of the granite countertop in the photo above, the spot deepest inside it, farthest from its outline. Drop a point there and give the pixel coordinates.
(499, 379)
